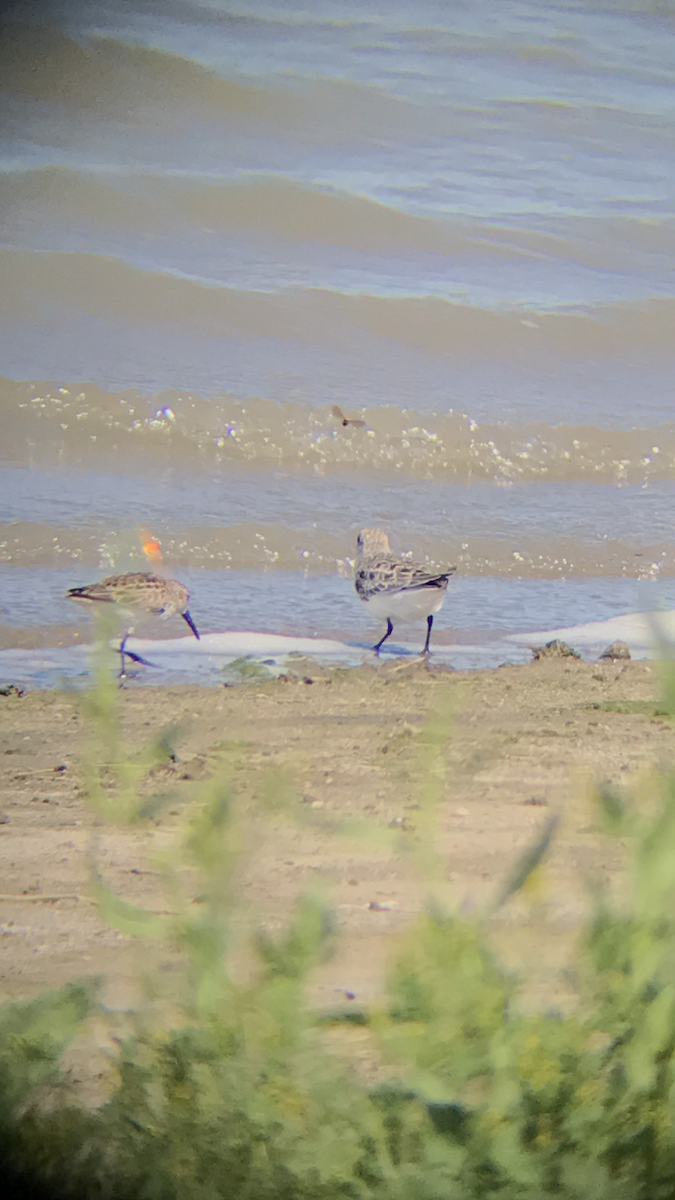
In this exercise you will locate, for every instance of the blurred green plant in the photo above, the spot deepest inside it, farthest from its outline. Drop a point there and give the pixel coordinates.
(232, 1092)
(246, 669)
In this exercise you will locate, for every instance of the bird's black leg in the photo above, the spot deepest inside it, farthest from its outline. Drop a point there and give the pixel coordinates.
(430, 621)
(122, 674)
(137, 658)
(133, 656)
(390, 630)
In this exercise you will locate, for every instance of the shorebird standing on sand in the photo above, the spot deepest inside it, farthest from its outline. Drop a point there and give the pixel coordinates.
(140, 593)
(396, 588)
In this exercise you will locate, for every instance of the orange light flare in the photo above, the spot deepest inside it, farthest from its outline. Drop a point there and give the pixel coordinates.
(151, 548)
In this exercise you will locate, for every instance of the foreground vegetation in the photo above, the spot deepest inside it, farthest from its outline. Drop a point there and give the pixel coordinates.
(226, 1088)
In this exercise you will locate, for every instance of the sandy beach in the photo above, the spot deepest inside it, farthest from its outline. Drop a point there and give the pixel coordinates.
(318, 748)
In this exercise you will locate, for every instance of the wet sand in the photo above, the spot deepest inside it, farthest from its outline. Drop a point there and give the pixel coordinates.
(359, 745)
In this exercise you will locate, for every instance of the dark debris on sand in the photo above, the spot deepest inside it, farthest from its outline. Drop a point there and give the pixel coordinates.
(554, 649)
(616, 651)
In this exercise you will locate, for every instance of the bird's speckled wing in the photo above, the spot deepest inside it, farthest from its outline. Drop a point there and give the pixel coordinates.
(387, 573)
(138, 589)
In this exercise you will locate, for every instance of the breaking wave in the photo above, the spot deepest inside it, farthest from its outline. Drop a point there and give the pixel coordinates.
(105, 286)
(271, 204)
(82, 425)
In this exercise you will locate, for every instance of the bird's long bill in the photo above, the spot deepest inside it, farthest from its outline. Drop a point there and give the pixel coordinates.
(186, 617)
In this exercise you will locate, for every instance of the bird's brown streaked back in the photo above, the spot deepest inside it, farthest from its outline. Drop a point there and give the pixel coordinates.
(139, 591)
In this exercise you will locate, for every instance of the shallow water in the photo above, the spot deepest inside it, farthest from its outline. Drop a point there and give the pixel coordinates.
(457, 224)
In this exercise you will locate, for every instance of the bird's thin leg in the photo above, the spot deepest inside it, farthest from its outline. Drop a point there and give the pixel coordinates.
(430, 621)
(133, 656)
(137, 659)
(390, 630)
(122, 674)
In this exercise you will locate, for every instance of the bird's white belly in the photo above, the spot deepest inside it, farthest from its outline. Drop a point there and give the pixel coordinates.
(407, 605)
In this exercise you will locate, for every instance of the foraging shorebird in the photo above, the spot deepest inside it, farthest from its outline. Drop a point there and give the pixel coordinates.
(137, 594)
(396, 588)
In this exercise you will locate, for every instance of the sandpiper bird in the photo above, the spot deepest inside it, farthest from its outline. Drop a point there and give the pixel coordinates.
(396, 588)
(138, 593)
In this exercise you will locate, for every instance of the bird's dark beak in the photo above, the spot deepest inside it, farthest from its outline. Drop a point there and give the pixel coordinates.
(186, 617)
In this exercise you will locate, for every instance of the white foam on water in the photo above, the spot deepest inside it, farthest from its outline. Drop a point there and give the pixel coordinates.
(187, 660)
(644, 633)
(226, 647)
(233, 645)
